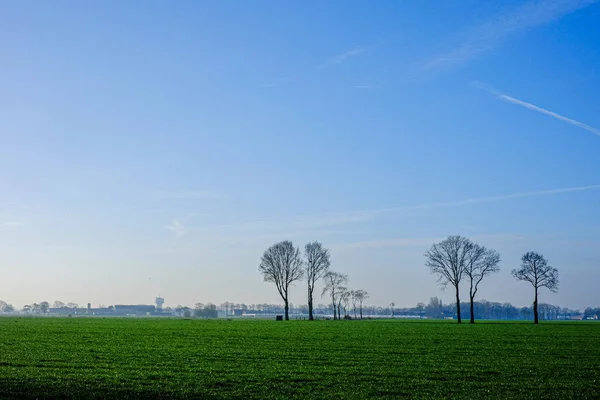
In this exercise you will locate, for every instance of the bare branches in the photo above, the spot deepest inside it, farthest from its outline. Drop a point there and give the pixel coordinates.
(316, 266)
(535, 270)
(447, 259)
(282, 265)
(359, 296)
(317, 261)
(480, 262)
(334, 285)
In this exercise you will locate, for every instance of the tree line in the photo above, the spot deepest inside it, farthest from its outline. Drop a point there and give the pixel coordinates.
(453, 260)
(283, 264)
(457, 257)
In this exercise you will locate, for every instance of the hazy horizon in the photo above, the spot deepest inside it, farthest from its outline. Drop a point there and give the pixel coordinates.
(159, 150)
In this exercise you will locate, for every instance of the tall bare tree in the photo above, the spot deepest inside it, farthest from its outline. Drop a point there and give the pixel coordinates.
(480, 262)
(535, 270)
(447, 259)
(345, 300)
(334, 285)
(354, 301)
(361, 295)
(316, 266)
(282, 265)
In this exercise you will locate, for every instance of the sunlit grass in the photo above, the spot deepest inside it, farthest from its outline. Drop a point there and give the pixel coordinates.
(175, 358)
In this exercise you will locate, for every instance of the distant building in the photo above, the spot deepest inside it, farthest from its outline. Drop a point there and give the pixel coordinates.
(159, 303)
(138, 309)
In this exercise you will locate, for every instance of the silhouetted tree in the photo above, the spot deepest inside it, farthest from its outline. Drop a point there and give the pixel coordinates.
(346, 297)
(72, 305)
(420, 308)
(447, 260)
(342, 294)
(316, 266)
(535, 270)
(480, 262)
(334, 285)
(282, 265)
(361, 295)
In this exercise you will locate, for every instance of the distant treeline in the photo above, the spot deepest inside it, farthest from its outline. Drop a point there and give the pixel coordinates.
(434, 309)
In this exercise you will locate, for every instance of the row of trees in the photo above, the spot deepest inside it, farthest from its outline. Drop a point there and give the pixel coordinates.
(283, 264)
(458, 257)
(497, 311)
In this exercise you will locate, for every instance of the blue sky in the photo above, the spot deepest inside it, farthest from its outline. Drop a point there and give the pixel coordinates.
(159, 148)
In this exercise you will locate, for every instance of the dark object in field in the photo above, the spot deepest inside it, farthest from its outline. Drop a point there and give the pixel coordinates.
(279, 318)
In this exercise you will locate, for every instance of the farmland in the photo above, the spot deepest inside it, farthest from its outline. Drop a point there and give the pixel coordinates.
(178, 358)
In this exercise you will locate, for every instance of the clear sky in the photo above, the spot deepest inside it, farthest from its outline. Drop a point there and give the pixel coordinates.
(160, 147)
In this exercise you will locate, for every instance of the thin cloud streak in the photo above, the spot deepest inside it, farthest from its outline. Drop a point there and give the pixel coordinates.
(189, 195)
(320, 222)
(420, 241)
(533, 107)
(476, 200)
(340, 58)
(486, 36)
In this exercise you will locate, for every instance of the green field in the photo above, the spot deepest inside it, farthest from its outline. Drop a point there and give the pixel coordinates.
(176, 358)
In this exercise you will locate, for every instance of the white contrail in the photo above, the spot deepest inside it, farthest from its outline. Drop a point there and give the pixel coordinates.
(533, 107)
(483, 37)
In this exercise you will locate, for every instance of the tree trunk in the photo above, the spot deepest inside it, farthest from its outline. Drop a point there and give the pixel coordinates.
(535, 308)
(472, 321)
(287, 314)
(334, 311)
(458, 306)
(310, 305)
(361, 311)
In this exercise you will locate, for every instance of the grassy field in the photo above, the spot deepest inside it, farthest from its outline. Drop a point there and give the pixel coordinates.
(175, 358)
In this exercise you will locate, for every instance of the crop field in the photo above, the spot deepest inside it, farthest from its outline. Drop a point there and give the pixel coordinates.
(177, 358)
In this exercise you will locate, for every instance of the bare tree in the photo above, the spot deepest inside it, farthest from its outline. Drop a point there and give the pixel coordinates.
(392, 305)
(72, 305)
(480, 263)
(535, 270)
(361, 295)
(334, 285)
(345, 297)
(316, 266)
(354, 301)
(447, 260)
(282, 265)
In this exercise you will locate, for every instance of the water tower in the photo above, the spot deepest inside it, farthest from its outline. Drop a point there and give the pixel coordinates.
(159, 303)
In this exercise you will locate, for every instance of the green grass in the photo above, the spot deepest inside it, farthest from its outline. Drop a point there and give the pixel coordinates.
(173, 358)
